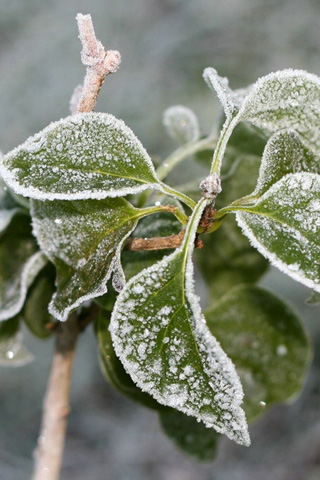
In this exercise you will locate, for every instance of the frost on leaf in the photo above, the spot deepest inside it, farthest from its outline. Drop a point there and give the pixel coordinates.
(85, 156)
(284, 226)
(267, 343)
(220, 85)
(20, 263)
(84, 240)
(288, 99)
(181, 124)
(161, 337)
(284, 154)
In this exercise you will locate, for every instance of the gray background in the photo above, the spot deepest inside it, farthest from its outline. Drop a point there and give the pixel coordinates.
(165, 46)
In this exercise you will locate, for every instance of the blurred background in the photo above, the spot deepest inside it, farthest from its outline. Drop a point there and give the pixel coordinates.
(165, 45)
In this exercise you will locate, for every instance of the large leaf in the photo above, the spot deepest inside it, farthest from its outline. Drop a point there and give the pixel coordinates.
(160, 335)
(190, 436)
(20, 262)
(283, 100)
(13, 353)
(267, 343)
(89, 155)
(84, 240)
(283, 224)
(113, 369)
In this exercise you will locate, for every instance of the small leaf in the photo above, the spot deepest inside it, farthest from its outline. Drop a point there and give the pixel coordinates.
(284, 153)
(284, 225)
(85, 156)
(20, 263)
(220, 85)
(35, 311)
(288, 99)
(160, 335)
(12, 351)
(112, 368)
(8, 207)
(84, 240)
(267, 343)
(190, 436)
(181, 124)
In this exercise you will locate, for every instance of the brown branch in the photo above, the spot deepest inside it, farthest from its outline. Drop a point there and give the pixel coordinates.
(99, 63)
(159, 243)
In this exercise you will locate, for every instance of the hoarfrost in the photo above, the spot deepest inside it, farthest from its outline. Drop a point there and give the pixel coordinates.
(173, 329)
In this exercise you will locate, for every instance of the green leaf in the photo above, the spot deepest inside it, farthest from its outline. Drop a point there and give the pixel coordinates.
(283, 100)
(181, 124)
(190, 436)
(229, 99)
(20, 262)
(8, 207)
(88, 155)
(160, 335)
(35, 311)
(284, 154)
(12, 351)
(112, 368)
(284, 224)
(267, 343)
(84, 240)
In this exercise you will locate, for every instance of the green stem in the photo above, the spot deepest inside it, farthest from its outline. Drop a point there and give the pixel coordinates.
(183, 152)
(165, 208)
(181, 196)
(222, 144)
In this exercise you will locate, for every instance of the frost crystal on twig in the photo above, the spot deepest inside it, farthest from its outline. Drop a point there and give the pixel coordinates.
(99, 63)
(211, 186)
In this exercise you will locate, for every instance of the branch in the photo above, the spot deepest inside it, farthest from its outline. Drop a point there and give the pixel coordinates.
(159, 243)
(99, 63)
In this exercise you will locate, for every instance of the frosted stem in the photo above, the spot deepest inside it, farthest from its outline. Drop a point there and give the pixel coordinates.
(48, 455)
(99, 63)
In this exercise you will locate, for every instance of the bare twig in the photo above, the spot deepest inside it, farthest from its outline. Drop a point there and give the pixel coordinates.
(99, 63)
(159, 243)
(48, 456)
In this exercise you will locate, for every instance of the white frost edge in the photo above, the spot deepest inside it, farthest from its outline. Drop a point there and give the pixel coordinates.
(274, 260)
(202, 328)
(106, 119)
(31, 269)
(115, 269)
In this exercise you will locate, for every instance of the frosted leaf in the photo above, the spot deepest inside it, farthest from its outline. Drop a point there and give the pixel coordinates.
(284, 153)
(179, 362)
(85, 156)
(8, 207)
(284, 226)
(84, 240)
(20, 262)
(284, 100)
(267, 343)
(220, 85)
(13, 353)
(181, 124)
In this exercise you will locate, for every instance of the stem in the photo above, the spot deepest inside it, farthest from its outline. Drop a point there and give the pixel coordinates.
(48, 455)
(183, 152)
(219, 152)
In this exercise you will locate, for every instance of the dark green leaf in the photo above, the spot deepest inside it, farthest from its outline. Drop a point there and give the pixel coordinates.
(267, 343)
(84, 240)
(89, 155)
(113, 369)
(20, 263)
(284, 224)
(12, 351)
(161, 338)
(8, 207)
(190, 436)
